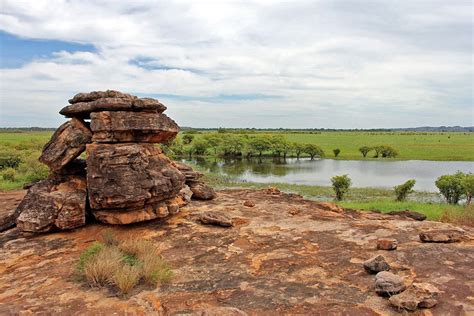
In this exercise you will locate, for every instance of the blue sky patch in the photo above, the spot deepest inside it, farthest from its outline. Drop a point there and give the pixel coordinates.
(17, 51)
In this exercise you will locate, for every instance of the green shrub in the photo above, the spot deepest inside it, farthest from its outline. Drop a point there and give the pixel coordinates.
(336, 152)
(402, 190)
(341, 185)
(199, 147)
(33, 169)
(385, 151)
(450, 186)
(8, 160)
(9, 174)
(313, 151)
(187, 139)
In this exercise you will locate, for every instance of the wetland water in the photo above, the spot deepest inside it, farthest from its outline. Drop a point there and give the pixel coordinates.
(364, 173)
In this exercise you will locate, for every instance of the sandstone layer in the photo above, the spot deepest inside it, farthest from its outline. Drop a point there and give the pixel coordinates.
(285, 255)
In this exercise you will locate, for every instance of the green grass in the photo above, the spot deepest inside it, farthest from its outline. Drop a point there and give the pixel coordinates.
(433, 211)
(411, 146)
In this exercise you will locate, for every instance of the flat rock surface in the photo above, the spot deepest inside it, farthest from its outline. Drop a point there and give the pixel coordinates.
(284, 255)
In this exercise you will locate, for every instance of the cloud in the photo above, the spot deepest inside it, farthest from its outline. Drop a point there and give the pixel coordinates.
(247, 63)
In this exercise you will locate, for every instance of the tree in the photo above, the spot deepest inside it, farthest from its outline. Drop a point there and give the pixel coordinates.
(450, 186)
(402, 190)
(341, 185)
(259, 144)
(365, 150)
(173, 148)
(467, 184)
(276, 144)
(313, 150)
(232, 145)
(385, 151)
(299, 149)
(336, 152)
(187, 139)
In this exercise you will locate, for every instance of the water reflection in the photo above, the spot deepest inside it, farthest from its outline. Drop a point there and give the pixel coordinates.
(318, 172)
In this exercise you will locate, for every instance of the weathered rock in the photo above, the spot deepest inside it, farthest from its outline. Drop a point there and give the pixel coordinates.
(442, 235)
(215, 218)
(186, 194)
(8, 208)
(410, 214)
(128, 216)
(387, 244)
(202, 191)
(68, 142)
(387, 284)
(84, 109)
(58, 202)
(376, 264)
(219, 311)
(189, 173)
(77, 167)
(129, 176)
(94, 95)
(249, 203)
(121, 126)
(418, 295)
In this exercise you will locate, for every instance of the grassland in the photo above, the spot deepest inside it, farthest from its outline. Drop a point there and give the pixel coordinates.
(442, 146)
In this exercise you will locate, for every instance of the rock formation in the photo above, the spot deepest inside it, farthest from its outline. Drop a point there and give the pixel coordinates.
(125, 178)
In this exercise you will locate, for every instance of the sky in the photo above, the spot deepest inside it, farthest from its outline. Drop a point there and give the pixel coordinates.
(289, 64)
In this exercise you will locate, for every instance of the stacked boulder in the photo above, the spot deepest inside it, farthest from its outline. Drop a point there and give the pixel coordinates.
(125, 177)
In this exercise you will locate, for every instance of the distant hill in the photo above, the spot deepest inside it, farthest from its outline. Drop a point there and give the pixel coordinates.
(461, 129)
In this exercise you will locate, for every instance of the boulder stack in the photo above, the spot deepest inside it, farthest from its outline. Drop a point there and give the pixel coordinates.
(125, 177)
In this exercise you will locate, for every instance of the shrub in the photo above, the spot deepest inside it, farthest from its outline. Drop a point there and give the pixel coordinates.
(341, 185)
(8, 160)
(450, 186)
(402, 190)
(336, 152)
(99, 270)
(365, 150)
(9, 174)
(33, 169)
(187, 139)
(200, 147)
(467, 184)
(385, 151)
(126, 277)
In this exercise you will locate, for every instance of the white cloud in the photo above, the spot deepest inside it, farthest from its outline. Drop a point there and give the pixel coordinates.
(330, 63)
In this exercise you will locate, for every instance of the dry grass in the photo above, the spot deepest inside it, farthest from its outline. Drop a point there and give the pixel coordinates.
(155, 270)
(126, 278)
(463, 218)
(100, 268)
(122, 264)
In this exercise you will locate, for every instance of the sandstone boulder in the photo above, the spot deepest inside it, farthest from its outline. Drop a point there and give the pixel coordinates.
(94, 95)
(410, 214)
(442, 235)
(202, 191)
(215, 218)
(83, 109)
(387, 284)
(418, 295)
(376, 264)
(128, 216)
(129, 176)
(189, 173)
(387, 244)
(57, 202)
(124, 126)
(68, 142)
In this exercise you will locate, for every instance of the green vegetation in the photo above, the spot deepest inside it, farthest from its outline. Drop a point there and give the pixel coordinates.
(456, 186)
(402, 190)
(122, 265)
(341, 185)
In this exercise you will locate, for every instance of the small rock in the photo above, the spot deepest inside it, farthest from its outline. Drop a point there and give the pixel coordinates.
(410, 214)
(273, 191)
(418, 295)
(387, 244)
(376, 264)
(202, 191)
(442, 235)
(387, 284)
(249, 203)
(215, 218)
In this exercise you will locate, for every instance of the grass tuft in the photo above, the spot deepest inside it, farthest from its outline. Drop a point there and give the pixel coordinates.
(100, 269)
(126, 277)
